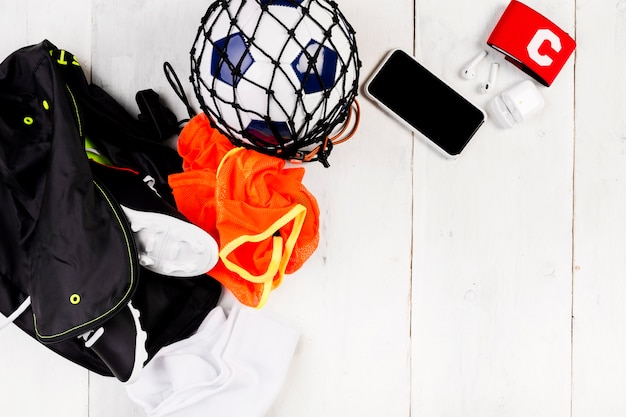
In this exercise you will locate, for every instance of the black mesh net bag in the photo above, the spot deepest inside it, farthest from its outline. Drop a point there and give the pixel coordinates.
(278, 76)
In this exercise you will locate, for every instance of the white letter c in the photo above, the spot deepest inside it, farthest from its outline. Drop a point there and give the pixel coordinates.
(540, 37)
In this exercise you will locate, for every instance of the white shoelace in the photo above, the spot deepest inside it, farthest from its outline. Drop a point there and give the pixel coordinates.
(150, 182)
(4, 322)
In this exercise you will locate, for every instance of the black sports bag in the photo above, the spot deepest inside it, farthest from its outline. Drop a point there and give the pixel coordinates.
(65, 242)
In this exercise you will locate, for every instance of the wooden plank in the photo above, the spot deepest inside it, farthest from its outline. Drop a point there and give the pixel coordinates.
(132, 40)
(599, 363)
(492, 239)
(492, 231)
(15, 35)
(35, 381)
(350, 301)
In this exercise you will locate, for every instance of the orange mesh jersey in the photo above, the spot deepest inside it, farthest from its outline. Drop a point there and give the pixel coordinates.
(264, 219)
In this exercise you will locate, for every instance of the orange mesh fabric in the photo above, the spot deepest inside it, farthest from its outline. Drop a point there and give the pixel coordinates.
(201, 146)
(265, 220)
(202, 149)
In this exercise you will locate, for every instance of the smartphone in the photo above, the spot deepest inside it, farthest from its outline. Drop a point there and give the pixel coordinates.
(424, 103)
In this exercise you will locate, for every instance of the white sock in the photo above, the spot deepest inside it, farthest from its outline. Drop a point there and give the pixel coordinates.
(234, 366)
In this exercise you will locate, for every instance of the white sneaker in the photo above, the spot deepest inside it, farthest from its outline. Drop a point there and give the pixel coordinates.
(171, 246)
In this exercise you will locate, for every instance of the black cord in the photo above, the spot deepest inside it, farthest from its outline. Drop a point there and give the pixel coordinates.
(177, 86)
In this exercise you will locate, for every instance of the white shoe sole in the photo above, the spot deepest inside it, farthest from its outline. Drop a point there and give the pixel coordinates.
(170, 246)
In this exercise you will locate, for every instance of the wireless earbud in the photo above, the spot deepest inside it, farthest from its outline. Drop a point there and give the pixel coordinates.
(469, 72)
(491, 82)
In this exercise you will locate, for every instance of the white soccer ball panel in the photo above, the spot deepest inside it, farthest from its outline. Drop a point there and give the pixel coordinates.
(280, 106)
(322, 18)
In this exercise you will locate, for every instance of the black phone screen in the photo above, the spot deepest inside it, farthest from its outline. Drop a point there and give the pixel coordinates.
(425, 102)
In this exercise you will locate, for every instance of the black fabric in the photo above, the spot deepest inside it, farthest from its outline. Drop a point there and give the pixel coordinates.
(125, 140)
(130, 191)
(170, 310)
(173, 309)
(72, 238)
(65, 241)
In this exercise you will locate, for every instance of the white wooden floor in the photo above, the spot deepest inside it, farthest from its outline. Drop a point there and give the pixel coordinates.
(492, 285)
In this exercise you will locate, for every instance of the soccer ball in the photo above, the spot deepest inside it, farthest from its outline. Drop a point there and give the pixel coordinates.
(275, 75)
